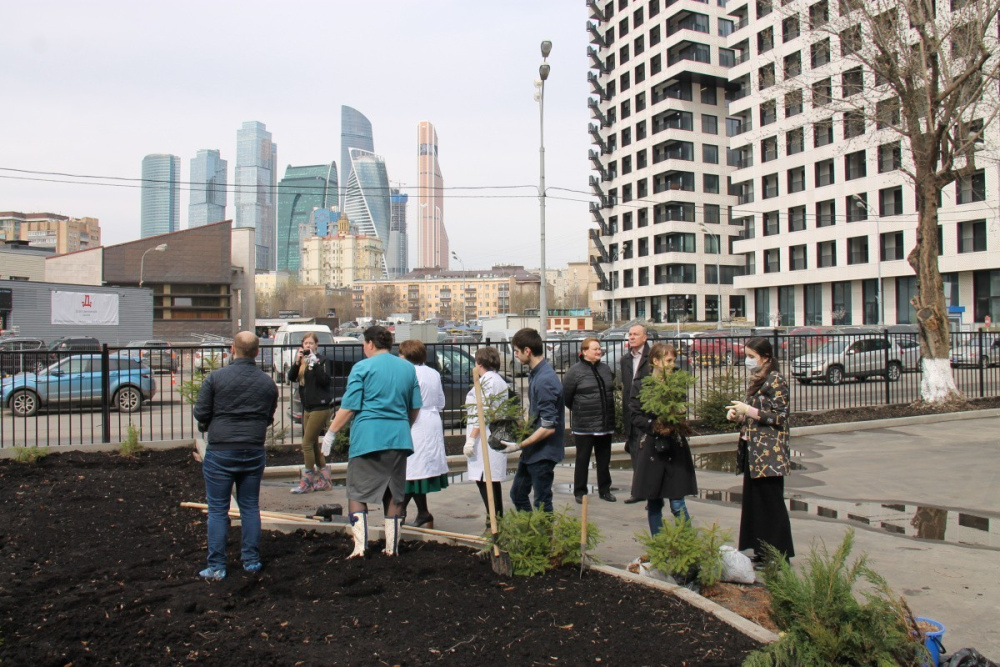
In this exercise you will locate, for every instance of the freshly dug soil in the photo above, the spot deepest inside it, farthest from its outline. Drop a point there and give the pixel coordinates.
(98, 565)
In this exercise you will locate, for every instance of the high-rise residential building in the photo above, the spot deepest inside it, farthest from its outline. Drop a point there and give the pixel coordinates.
(396, 255)
(817, 218)
(161, 195)
(256, 181)
(432, 239)
(366, 202)
(355, 132)
(209, 195)
(341, 257)
(62, 234)
(302, 190)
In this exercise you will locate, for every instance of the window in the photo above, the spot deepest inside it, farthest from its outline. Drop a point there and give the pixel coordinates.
(711, 213)
(852, 82)
(769, 149)
(654, 35)
(625, 81)
(891, 246)
(673, 150)
(627, 165)
(855, 165)
(786, 306)
(762, 306)
(712, 244)
(856, 207)
(640, 131)
(626, 136)
(673, 211)
(640, 159)
(627, 224)
(790, 28)
(826, 254)
(812, 295)
(819, 14)
(840, 302)
(854, 124)
(626, 193)
(857, 250)
(824, 173)
(673, 120)
(850, 40)
(986, 294)
(823, 133)
(623, 54)
(679, 90)
(750, 264)
(890, 201)
(793, 103)
(726, 27)
(772, 223)
(906, 289)
(673, 180)
(710, 154)
(826, 213)
(822, 93)
(639, 45)
(765, 76)
(795, 141)
(793, 65)
(796, 218)
(887, 113)
(889, 157)
(772, 261)
(768, 112)
(765, 40)
(764, 7)
(709, 124)
(741, 158)
(637, 17)
(971, 188)
(655, 65)
(797, 258)
(640, 73)
(972, 236)
(643, 276)
(770, 186)
(710, 183)
(820, 53)
(709, 95)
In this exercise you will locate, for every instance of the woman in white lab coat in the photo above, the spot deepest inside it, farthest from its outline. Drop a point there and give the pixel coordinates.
(494, 392)
(427, 467)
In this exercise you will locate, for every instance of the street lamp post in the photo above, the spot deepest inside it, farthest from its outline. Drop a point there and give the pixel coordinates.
(718, 273)
(142, 262)
(860, 203)
(465, 294)
(543, 74)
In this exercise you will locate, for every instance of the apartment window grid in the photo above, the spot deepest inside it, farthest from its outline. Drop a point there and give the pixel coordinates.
(890, 157)
(972, 236)
(793, 103)
(840, 303)
(819, 53)
(856, 207)
(772, 261)
(824, 173)
(826, 254)
(855, 165)
(826, 213)
(786, 305)
(772, 223)
(857, 250)
(796, 180)
(890, 201)
(797, 258)
(891, 247)
(795, 141)
(812, 297)
(971, 188)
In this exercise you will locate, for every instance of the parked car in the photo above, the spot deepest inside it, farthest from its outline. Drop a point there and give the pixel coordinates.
(76, 380)
(288, 340)
(156, 354)
(209, 356)
(20, 354)
(716, 347)
(66, 344)
(910, 354)
(972, 354)
(844, 358)
(800, 341)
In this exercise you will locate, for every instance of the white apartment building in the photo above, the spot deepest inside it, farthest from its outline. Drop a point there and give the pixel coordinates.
(817, 219)
(341, 258)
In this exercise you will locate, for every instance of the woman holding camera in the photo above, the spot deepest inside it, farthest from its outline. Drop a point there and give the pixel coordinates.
(309, 371)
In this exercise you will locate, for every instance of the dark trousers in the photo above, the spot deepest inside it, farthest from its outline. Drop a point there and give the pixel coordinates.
(764, 519)
(600, 445)
(535, 478)
(497, 497)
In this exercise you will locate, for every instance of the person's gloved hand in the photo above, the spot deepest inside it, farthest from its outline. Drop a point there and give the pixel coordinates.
(509, 447)
(739, 409)
(328, 442)
(470, 447)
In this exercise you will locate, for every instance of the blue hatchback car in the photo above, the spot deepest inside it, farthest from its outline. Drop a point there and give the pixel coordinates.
(76, 380)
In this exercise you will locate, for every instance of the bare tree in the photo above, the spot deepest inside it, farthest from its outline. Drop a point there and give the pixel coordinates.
(383, 301)
(934, 85)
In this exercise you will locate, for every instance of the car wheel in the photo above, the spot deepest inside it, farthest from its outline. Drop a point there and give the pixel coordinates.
(24, 403)
(128, 399)
(834, 375)
(894, 372)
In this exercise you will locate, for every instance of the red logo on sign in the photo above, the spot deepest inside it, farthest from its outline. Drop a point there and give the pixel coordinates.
(86, 301)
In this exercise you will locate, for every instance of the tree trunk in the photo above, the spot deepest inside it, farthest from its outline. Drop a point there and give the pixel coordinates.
(937, 384)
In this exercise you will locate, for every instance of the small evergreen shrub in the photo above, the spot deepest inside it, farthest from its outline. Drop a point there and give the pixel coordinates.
(131, 445)
(538, 541)
(723, 389)
(686, 552)
(30, 454)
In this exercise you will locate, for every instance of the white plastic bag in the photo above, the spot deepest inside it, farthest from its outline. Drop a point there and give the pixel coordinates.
(736, 567)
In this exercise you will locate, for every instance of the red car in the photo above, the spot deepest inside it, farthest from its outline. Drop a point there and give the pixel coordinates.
(716, 347)
(806, 340)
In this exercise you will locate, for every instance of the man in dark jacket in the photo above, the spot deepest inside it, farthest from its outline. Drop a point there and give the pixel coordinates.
(634, 367)
(236, 404)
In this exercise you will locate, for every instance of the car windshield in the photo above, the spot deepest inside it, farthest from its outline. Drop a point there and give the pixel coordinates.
(833, 347)
(295, 338)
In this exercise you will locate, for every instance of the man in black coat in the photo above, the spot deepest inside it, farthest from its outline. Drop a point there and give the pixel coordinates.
(634, 367)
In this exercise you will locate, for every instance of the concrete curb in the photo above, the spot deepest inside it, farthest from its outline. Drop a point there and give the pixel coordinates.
(11, 452)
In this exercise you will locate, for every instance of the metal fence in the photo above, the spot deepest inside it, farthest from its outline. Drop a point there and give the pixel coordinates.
(95, 397)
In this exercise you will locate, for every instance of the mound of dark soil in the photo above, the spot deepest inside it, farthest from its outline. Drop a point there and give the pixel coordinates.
(98, 565)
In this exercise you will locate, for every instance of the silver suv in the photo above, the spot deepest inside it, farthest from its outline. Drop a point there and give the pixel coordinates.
(850, 357)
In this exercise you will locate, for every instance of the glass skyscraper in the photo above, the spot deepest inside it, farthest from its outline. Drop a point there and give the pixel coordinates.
(396, 258)
(367, 203)
(161, 196)
(355, 132)
(208, 189)
(432, 238)
(299, 192)
(256, 180)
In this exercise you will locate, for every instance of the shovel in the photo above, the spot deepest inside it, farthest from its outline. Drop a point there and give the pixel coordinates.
(499, 560)
(583, 536)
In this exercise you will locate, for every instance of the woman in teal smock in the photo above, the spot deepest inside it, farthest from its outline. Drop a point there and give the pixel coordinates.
(383, 398)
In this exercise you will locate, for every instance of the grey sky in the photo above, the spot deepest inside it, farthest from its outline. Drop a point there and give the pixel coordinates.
(91, 87)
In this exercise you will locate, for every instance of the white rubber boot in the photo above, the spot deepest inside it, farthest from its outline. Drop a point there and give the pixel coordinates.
(392, 534)
(359, 528)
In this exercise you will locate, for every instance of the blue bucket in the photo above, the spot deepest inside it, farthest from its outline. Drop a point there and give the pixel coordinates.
(932, 640)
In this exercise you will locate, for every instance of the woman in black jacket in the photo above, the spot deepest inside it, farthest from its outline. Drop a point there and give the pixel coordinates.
(664, 467)
(588, 389)
(309, 372)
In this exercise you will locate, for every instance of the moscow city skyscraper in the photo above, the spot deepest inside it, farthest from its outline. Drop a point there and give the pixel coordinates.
(366, 200)
(300, 191)
(208, 189)
(161, 203)
(256, 181)
(432, 239)
(396, 259)
(355, 132)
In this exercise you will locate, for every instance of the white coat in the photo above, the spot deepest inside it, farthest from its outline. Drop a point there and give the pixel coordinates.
(428, 458)
(493, 386)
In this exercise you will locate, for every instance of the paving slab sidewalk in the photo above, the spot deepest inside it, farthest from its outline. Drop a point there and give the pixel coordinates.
(948, 471)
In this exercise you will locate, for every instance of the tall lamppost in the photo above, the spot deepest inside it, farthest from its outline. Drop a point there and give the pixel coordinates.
(142, 262)
(543, 74)
(465, 294)
(860, 203)
(718, 272)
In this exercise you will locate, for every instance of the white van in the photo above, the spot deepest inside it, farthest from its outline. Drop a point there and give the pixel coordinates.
(288, 340)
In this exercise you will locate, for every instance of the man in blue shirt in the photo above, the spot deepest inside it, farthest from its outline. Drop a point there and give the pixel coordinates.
(544, 448)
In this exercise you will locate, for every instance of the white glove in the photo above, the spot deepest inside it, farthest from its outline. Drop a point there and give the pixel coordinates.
(510, 447)
(731, 415)
(328, 442)
(739, 407)
(470, 447)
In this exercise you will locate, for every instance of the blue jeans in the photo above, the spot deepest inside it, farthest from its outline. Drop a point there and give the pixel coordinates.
(535, 478)
(654, 512)
(222, 469)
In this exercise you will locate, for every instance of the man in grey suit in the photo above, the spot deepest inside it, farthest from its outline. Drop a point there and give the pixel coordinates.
(634, 367)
